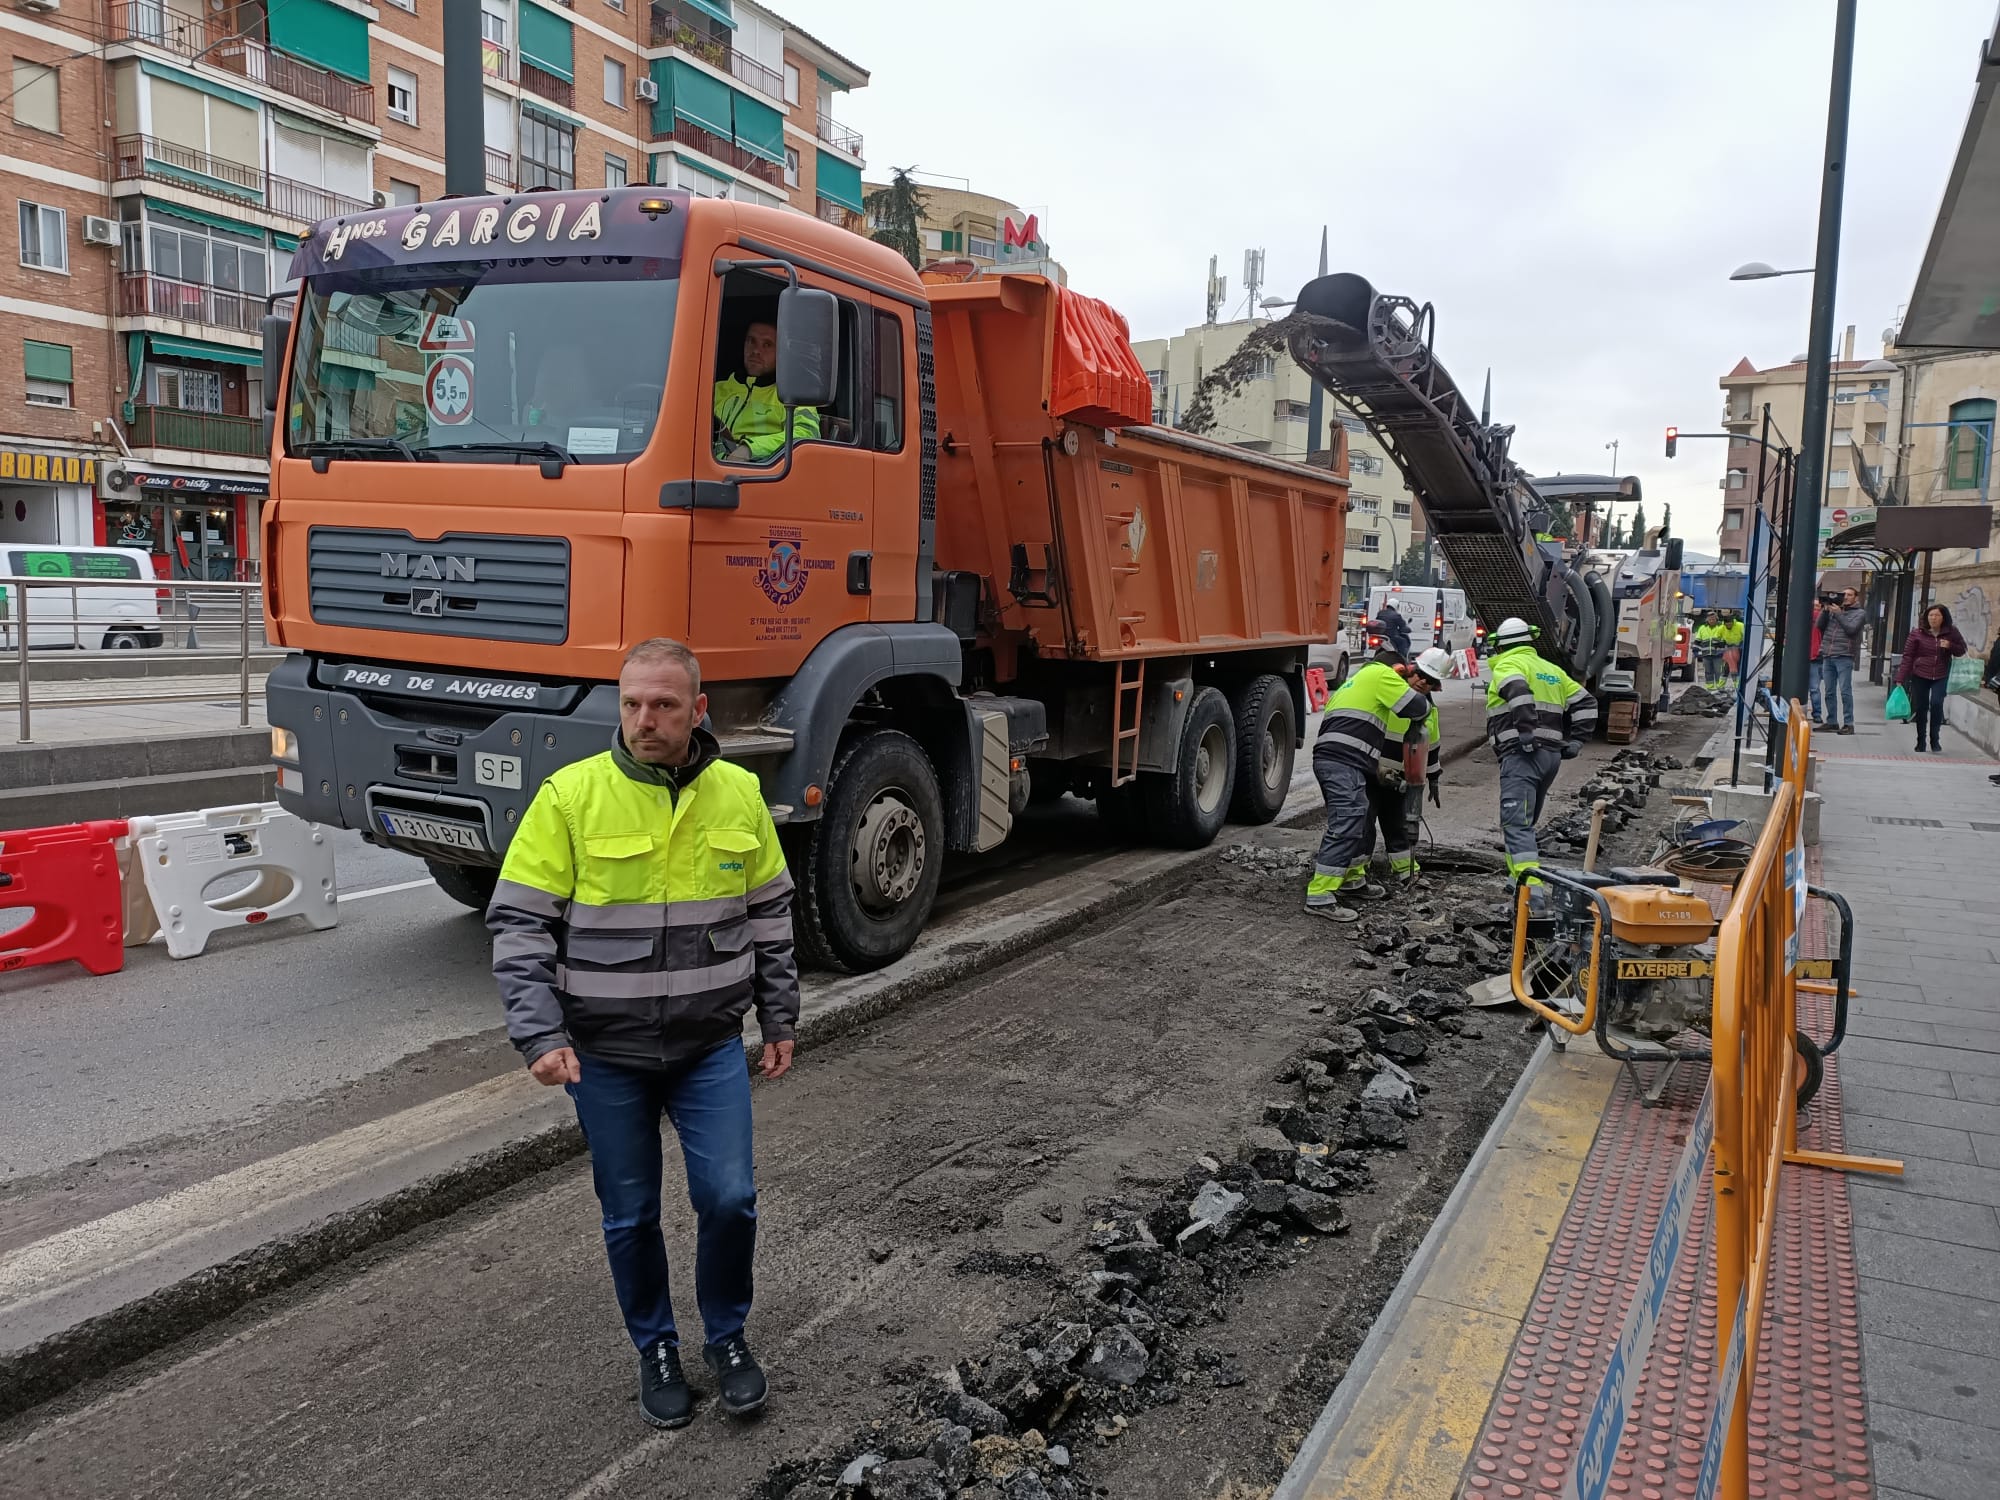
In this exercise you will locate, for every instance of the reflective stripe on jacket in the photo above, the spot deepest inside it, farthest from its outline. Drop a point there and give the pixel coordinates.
(638, 923)
(1372, 710)
(1531, 702)
(1399, 734)
(751, 413)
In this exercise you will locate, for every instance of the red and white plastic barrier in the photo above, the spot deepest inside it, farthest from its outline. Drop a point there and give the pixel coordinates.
(194, 867)
(67, 877)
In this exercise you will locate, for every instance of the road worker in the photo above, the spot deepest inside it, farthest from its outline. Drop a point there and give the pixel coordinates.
(1536, 718)
(1376, 713)
(1709, 637)
(1732, 645)
(1396, 802)
(749, 417)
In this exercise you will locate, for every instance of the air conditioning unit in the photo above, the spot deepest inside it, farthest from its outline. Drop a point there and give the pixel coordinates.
(99, 231)
(381, 199)
(38, 7)
(646, 91)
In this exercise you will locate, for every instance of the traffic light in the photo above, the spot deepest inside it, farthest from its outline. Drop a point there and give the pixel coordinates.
(1673, 440)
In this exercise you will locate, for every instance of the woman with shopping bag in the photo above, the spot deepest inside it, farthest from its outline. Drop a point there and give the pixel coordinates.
(1925, 673)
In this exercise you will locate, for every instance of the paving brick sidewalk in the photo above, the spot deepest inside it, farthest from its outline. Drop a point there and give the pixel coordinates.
(1913, 842)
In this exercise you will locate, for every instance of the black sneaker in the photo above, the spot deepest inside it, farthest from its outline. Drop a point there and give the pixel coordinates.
(737, 1373)
(664, 1397)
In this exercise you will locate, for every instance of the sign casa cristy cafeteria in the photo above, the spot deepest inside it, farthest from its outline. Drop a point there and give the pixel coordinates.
(47, 468)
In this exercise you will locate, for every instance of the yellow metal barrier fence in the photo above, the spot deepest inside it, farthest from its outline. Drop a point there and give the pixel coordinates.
(1755, 1050)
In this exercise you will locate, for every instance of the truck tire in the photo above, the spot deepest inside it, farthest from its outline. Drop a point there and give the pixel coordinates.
(1266, 741)
(1339, 674)
(1187, 805)
(468, 885)
(867, 871)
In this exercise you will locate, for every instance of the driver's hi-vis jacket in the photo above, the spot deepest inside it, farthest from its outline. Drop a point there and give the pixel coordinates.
(642, 911)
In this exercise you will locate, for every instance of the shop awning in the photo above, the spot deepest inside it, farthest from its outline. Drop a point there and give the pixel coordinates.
(839, 181)
(227, 354)
(548, 42)
(1956, 303)
(321, 32)
(760, 129)
(700, 99)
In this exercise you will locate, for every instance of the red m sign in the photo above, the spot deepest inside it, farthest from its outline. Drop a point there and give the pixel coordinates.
(1020, 236)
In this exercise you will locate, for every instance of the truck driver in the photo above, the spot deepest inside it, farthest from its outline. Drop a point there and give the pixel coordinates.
(749, 418)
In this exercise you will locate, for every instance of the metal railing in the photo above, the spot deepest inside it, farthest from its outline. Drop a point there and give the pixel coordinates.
(197, 431)
(141, 294)
(839, 136)
(722, 149)
(212, 40)
(144, 156)
(540, 81)
(499, 169)
(835, 213)
(1756, 1055)
(496, 60)
(118, 616)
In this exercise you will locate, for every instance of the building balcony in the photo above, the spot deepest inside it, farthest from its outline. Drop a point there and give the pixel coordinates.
(839, 136)
(496, 60)
(711, 145)
(669, 28)
(144, 295)
(211, 40)
(556, 90)
(846, 218)
(139, 157)
(197, 431)
(499, 170)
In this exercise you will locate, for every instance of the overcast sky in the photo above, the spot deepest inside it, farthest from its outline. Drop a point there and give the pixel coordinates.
(1569, 181)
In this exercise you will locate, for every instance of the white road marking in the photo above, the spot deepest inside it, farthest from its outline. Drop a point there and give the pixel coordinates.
(386, 890)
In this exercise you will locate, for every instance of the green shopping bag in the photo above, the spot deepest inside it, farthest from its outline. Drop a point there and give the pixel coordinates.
(1899, 710)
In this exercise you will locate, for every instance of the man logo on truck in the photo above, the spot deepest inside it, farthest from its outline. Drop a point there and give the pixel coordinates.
(447, 569)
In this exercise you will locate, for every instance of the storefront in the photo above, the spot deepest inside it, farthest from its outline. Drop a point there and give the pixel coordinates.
(46, 495)
(196, 526)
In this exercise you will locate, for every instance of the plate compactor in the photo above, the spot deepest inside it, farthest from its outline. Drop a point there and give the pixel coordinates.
(1629, 954)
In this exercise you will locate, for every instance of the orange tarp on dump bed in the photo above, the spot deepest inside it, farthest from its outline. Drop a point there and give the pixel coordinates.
(1094, 376)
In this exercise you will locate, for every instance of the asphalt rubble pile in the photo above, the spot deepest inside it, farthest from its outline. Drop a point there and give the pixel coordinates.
(1624, 783)
(1696, 699)
(1124, 1329)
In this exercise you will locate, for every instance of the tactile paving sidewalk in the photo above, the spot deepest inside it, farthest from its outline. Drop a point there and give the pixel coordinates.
(1808, 1414)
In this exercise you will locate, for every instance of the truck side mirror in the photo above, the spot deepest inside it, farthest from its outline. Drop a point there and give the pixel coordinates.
(277, 334)
(1672, 561)
(808, 346)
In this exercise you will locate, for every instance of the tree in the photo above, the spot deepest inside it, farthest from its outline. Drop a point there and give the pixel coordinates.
(899, 210)
(1636, 535)
(1411, 569)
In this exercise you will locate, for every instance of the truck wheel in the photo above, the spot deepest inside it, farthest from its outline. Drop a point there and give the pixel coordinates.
(468, 885)
(1339, 673)
(1266, 741)
(1186, 806)
(868, 870)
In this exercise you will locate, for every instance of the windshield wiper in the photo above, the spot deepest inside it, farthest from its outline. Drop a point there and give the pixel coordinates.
(536, 448)
(348, 446)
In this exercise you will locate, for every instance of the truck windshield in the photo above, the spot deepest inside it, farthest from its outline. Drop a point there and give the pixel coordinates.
(493, 362)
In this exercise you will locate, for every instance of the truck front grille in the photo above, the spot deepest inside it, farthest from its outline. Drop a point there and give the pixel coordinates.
(498, 588)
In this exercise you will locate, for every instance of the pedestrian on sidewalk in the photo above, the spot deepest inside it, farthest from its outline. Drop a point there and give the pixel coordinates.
(1840, 628)
(1813, 673)
(643, 910)
(1925, 672)
(1536, 716)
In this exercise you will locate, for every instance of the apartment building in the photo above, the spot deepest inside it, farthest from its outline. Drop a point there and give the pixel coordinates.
(1269, 414)
(167, 156)
(959, 224)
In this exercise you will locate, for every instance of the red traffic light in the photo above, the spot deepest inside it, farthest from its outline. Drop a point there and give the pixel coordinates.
(1673, 440)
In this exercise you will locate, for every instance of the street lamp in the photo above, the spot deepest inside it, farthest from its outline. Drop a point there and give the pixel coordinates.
(1757, 270)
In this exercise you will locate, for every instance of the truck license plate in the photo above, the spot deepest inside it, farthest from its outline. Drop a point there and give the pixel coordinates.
(433, 831)
(497, 770)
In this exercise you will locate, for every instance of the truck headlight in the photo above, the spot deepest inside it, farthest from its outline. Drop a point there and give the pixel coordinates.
(284, 744)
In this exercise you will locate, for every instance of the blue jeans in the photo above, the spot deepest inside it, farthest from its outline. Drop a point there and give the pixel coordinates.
(1927, 698)
(1812, 689)
(709, 1105)
(1837, 673)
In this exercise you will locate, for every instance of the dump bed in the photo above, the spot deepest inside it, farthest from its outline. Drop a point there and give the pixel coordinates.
(1104, 538)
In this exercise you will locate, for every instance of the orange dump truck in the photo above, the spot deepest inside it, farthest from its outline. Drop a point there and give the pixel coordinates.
(973, 578)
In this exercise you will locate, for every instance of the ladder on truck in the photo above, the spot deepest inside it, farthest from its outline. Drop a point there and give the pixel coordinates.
(1130, 689)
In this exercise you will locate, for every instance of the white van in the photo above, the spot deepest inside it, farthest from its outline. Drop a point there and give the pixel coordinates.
(105, 610)
(1436, 617)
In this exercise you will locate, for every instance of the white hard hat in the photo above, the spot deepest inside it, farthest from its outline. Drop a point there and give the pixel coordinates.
(1514, 631)
(1434, 664)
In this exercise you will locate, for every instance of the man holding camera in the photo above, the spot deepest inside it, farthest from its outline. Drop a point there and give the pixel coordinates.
(1840, 626)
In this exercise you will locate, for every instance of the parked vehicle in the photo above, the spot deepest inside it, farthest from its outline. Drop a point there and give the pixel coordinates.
(981, 579)
(96, 612)
(1436, 616)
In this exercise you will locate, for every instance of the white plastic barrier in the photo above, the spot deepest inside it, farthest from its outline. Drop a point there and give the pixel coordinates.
(224, 867)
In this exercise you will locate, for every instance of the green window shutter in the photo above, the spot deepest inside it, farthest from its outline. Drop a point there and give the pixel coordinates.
(224, 354)
(160, 208)
(839, 181)
(198, 84)
(321, 32)
(284, 242)
(760, 129)
(1967, 464)
(48, 361)
(701, 99)
(717, 10)
(548, 42)
(660, 70)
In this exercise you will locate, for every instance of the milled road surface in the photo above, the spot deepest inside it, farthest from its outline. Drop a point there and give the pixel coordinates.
(483, 1356)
